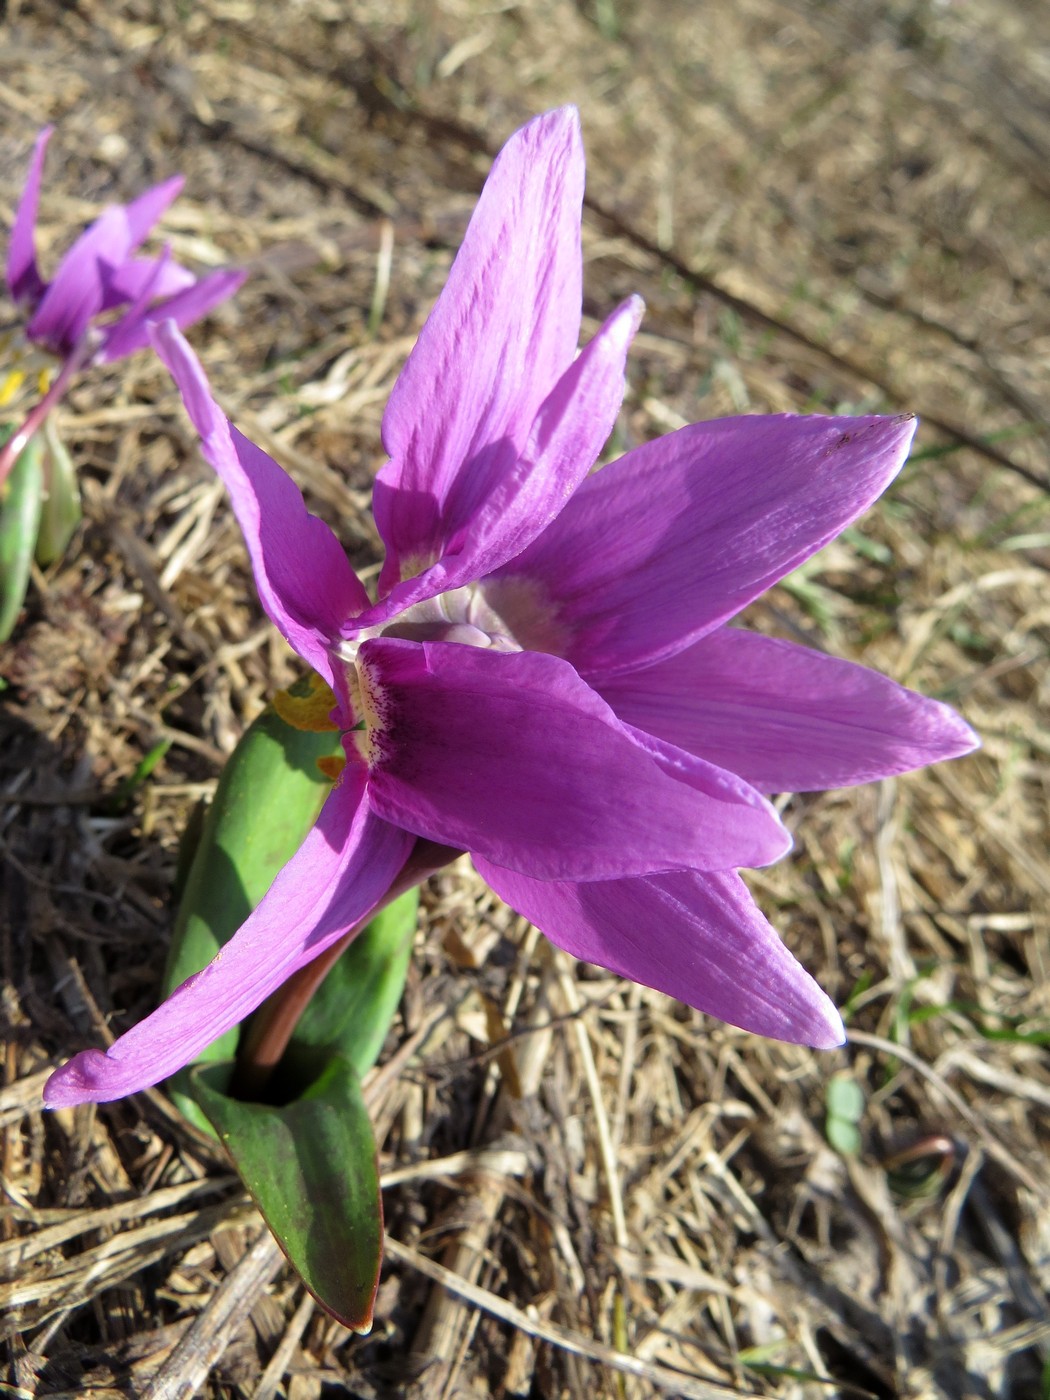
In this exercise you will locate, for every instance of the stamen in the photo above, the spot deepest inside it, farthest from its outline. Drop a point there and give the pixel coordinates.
(307, 705)
(10, 386)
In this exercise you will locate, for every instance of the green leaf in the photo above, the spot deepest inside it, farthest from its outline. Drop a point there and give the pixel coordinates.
(61, 511)
(350, 1013)
(311, 1169)
(843, 1136)
(268, 797)
(23, 495)
(131, 784)
(845, 1104)
(845, 1099)
(189, 841)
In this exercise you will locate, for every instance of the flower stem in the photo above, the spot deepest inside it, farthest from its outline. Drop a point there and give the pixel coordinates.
(266, 1036)
(12, 448)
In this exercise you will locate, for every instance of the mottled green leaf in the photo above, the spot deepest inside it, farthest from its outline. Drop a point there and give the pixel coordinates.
(311, 1168)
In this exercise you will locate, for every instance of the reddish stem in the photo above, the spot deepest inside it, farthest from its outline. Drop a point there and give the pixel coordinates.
(266, 1036)
(14, 446)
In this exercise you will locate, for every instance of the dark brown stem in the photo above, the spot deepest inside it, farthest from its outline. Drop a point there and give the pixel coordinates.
(266, 1036)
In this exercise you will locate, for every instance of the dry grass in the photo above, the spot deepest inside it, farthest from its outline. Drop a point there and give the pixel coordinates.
(590, 1191)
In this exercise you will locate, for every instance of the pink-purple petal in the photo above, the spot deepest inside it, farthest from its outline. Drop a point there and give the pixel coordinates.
(147, 288)
(304, 578)
(696, 937)
(665, 544)
(23, 276)
(502, 333)
(77, 292)
(786, 718)
(569, 431)
(571, 428)
(144, 211)
(511, 755)
(154, 277)
(342, 869)
(185, 307)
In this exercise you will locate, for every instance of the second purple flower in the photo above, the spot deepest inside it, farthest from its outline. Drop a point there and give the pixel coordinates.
(98, 306)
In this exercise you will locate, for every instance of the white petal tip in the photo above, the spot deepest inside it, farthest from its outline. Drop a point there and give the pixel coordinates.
(828, 1033)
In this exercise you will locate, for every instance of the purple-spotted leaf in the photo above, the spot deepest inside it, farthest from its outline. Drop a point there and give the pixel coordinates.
(311, 1168)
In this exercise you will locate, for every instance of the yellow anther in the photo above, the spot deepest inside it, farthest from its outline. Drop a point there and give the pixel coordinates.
(10, 386)
(307, 705)
(332, 766)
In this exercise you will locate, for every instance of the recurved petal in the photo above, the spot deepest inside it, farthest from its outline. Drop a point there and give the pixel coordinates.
(786, 718)
(184, 307)
(503, 331)
(697, 937)
(662, 546)
(78, 291)
(568, 433)
(23, 277)
(304, 578)
(157, 277)
(146, 278)
(511, 755)
(139, 216)
(340, 872)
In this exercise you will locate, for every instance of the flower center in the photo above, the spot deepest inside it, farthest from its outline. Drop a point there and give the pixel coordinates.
(464, 615)
(504, 614)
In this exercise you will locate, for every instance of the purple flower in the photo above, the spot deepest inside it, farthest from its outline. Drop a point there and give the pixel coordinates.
(98, 306)
(100, 276)
(547, 679)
